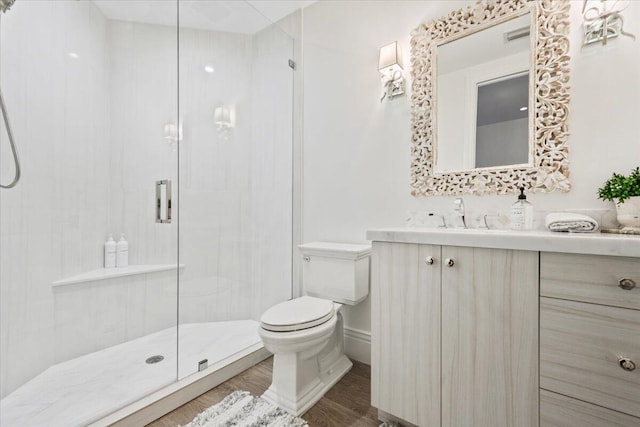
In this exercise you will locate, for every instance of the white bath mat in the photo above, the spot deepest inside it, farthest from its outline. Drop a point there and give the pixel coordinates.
(241, 409)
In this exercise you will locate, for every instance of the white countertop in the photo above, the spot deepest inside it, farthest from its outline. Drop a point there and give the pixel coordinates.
(544, 241)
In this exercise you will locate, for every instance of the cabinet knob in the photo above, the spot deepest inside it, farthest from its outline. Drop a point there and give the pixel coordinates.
(626, 284)
(307, 258)
(429, 260)
(449, 262)
(627, 364)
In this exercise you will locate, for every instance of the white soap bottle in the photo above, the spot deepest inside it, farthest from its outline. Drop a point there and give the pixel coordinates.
(110, 253)
(521, 214)
(122, 252)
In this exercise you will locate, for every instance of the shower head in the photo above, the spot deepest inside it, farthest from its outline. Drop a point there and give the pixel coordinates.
(6, 5)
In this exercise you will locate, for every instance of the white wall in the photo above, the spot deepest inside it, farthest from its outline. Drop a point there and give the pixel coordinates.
(356, 150)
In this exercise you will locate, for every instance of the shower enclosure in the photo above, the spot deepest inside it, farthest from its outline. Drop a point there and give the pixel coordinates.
(170, 122)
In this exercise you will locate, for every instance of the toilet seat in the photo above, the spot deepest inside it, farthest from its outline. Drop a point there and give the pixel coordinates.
(299, 313)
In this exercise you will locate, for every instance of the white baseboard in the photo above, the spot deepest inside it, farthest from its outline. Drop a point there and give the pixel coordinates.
(357, 345)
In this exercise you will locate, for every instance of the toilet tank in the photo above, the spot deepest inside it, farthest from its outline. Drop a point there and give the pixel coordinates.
(336, 271)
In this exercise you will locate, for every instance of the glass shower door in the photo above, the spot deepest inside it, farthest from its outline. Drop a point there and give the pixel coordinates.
(236, 106)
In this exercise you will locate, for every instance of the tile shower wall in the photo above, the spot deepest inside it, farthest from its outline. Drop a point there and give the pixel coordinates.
(356, 149)
(52, 223)
(143, 99)
(141, 70)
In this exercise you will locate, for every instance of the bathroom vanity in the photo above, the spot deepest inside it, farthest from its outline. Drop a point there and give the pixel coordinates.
(484, 327)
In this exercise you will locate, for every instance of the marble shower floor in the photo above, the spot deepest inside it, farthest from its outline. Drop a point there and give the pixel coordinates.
(82, 390)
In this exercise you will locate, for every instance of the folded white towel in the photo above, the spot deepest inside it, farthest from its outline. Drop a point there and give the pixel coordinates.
(575, 223)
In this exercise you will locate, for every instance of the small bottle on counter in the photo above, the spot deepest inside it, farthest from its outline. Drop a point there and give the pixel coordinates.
(122, 252)
(521, 214)
(110, 253)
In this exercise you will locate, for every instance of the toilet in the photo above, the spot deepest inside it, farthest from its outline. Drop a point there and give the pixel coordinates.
(305, 334)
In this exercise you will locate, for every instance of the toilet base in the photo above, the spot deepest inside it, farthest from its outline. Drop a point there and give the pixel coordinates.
(314, 392)
(306, 364)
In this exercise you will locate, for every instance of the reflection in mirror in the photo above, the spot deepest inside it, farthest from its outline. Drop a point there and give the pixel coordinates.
(502, 122)
(483, 88)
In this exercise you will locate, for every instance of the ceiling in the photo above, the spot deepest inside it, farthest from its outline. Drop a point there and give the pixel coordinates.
(233, 16)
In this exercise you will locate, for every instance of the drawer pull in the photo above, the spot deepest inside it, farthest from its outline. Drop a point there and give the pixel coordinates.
(428, 260)
(626, 284)
(626, 364)
(449, 262)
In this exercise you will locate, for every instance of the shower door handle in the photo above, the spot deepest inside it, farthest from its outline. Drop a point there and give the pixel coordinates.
(163, 201)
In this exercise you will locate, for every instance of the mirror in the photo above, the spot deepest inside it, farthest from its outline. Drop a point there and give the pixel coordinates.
(483, 98)
(490, 100)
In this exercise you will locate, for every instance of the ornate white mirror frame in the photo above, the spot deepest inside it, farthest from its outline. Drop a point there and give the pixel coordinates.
(550, 170)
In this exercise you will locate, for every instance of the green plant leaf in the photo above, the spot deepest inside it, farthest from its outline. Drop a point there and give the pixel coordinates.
(619, 188)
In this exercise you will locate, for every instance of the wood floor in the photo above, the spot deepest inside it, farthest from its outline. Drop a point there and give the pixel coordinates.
(346, 404)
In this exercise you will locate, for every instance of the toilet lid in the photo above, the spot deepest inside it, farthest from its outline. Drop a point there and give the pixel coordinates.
(299, 313)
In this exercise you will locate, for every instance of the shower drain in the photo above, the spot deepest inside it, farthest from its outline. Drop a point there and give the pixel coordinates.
(154, 359)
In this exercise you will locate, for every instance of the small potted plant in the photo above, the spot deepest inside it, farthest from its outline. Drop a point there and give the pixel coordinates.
(624, 191)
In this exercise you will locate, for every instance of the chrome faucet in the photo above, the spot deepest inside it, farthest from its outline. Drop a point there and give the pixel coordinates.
(458, 207)
(485, 224)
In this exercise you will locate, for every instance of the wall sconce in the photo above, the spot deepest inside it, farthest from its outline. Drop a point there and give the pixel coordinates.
(172, 134)
(601, 22)
(222, 117)
(390, 66)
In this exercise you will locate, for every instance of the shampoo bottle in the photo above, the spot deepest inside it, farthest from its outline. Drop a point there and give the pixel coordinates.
(122, 252)
(521, 215)
(110, 252)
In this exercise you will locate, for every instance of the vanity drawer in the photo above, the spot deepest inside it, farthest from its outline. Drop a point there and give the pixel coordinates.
(591, 278)
(580, 345)
(557, 410)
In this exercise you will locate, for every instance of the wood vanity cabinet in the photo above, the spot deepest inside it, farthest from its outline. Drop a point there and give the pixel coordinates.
(465, 336)
(589, 340)
(455, 335)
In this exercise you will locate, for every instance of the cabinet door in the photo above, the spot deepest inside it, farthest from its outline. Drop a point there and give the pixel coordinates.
(489, 338)
(405, 326)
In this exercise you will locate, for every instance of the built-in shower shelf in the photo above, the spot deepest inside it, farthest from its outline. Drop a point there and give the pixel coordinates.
(110, 273)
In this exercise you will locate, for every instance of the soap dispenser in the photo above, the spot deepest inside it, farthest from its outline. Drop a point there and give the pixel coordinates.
(110, 252)
(521, 214)
(122, 252)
